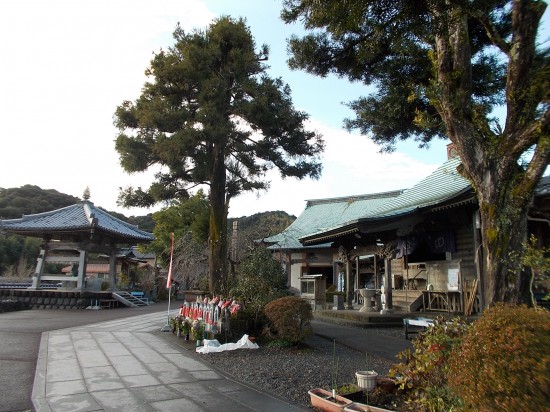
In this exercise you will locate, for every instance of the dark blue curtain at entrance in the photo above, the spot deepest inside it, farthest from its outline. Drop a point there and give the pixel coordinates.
(435, 242)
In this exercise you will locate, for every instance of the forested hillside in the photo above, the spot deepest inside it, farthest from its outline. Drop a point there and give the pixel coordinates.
(29, 199)
(260, 226)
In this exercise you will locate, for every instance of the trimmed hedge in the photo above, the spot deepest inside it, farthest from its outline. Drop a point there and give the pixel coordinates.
(290, 318)
(503, 363)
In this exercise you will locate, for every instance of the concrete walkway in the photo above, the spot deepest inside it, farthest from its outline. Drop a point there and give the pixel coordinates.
(126, 365)
(362, 340)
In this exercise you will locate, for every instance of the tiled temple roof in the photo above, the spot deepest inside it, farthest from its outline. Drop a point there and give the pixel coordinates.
(81, 217)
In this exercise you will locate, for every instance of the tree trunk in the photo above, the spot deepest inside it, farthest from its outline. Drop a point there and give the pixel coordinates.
(217, 244)
(490, 162)
(503, 235)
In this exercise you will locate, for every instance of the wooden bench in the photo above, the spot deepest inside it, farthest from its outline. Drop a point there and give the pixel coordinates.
(418, 325)
(140, 295)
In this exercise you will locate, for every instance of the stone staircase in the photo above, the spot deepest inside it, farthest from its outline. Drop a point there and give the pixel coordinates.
(406, 300)
(128, 299)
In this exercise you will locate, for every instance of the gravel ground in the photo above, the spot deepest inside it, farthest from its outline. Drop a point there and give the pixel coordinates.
(291, 372)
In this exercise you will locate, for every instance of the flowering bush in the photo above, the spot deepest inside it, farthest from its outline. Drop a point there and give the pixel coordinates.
(181, 324)
(422, 375)
(197, 329)
(503, 363)
(185, 326)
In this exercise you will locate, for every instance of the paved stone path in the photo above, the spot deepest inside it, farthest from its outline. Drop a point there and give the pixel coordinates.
(125, 365)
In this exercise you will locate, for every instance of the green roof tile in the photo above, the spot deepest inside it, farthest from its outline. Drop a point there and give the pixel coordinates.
(329, 214)
(322, 214)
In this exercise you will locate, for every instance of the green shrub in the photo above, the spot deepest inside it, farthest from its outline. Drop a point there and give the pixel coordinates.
(503, 363)
(244, 322)
(261, 279)
(289, 318)
(421, 377)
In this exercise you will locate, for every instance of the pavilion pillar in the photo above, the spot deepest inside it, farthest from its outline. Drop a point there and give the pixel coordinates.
(82, 261)
(349, 293)
(40, 263)
(388, 285)
(356, 282)
(377, 279)
(112, 269)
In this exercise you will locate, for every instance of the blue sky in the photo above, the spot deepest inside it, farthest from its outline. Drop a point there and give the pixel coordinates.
(68, 63)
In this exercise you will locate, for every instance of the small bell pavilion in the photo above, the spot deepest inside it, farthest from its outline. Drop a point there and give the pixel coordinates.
(72, 233)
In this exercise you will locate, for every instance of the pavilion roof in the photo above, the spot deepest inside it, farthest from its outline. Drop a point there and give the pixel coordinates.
(79, 218)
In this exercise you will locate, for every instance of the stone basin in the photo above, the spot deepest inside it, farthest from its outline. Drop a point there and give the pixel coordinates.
(368, 297)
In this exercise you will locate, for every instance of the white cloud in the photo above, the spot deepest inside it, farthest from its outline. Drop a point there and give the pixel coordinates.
(66, 66)
(351, 166)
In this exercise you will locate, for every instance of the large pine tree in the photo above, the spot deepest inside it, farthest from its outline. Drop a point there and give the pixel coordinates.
(212, 116)
(440, 69)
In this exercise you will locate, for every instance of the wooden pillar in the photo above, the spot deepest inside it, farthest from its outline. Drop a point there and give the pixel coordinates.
(112, 269)
(376, 274)
(349, 292)
(388, 287)
(288, 268)
(39, 267)
(356, 282)
(82, 269)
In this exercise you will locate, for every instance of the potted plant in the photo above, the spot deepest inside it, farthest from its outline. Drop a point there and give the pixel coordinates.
(366, 379)
(173, 325)
(197, 331)
(185, 328)
(329, 401)
(351, 391)
(361, 407)
(179, 325)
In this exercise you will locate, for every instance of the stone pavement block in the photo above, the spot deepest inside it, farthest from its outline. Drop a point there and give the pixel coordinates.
(62, 370)
(102, 378)
(156, 393)
(123, 400)
(54, 389)
(179, 405)
(92, 358)
(82, 402)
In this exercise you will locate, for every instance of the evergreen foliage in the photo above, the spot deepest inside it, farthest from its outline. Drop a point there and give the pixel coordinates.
(211, 116)
(443, 68)
(260, 280)
(29, 199)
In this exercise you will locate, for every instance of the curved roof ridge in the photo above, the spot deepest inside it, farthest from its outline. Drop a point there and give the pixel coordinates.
(41, 214)
(443, 183)
(115, 218)
(352, 198)
(79, 217)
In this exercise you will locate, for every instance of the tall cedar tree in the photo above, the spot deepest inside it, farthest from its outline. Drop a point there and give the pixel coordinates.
(211, 116)
(440, 69)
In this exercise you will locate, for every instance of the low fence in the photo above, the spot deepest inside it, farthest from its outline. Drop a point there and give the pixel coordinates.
(53, 299)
